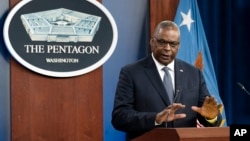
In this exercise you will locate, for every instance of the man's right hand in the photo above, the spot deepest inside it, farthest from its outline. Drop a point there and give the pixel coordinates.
(168, 114)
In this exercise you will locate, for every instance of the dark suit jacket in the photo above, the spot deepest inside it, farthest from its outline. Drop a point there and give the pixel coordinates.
(140, 95)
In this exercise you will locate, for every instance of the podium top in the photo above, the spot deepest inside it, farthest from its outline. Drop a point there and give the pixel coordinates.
(186, 134)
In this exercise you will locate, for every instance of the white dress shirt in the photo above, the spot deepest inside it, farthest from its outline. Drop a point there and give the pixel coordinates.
(170, 66)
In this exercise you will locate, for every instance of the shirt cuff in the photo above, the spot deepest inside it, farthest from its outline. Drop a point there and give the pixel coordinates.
(156, 123)
(212, 120)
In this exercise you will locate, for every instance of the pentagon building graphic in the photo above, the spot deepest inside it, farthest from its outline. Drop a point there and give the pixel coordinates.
(61, 25)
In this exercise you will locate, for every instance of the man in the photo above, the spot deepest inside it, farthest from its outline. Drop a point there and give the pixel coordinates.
(143, 102)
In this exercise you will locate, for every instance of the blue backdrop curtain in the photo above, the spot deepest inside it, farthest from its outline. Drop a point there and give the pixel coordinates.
(226, 27)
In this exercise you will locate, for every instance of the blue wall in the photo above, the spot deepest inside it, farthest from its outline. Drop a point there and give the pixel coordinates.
(133, 28)
(132, 18)
(4, 80)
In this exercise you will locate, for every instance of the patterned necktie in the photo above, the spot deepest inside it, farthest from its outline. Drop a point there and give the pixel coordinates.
(167, 81)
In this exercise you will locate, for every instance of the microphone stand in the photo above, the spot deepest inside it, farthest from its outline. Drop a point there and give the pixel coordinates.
(176, 95)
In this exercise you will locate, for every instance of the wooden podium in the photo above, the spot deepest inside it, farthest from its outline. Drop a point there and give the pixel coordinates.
(186, 134)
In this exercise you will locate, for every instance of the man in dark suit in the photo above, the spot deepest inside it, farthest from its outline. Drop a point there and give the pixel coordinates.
(142, 102)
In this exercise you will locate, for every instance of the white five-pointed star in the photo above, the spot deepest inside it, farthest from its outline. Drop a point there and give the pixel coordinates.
(187, 19)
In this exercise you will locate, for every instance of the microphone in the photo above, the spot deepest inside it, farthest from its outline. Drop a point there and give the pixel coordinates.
(175, 97)
(243, 88)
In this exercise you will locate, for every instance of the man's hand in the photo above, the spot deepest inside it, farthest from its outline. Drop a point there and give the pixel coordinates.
(168, 114)
(209, 109)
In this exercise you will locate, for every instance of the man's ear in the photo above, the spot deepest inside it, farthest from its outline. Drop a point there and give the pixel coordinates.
(151, 43)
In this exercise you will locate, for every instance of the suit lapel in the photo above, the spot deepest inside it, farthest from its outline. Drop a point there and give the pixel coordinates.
(179, 79)
(153, 75)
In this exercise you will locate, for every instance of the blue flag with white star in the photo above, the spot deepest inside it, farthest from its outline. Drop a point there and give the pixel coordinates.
(194, 48)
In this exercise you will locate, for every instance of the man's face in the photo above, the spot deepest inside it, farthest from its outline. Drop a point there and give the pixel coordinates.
(165, 45)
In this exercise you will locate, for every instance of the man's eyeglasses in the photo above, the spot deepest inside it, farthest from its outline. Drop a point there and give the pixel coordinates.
(163, 43)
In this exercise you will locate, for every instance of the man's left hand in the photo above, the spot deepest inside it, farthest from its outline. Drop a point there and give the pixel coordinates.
(209, 109)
